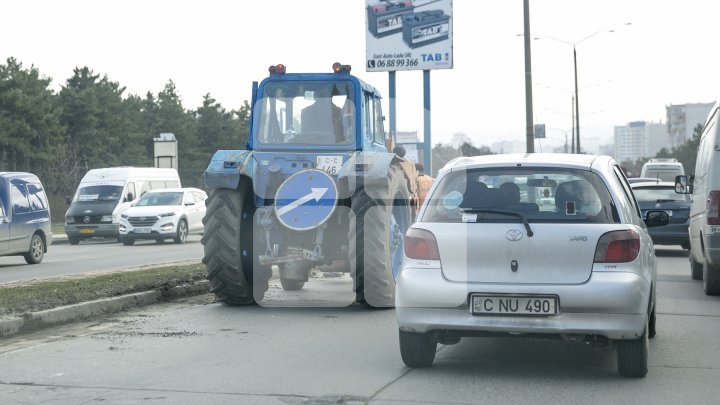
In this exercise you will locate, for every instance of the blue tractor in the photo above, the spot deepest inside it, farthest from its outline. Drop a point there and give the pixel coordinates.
(318, 184)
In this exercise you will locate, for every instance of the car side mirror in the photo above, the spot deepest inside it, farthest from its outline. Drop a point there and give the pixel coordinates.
(68, 199)
(682, 186)
(129, 197)
(656, 218)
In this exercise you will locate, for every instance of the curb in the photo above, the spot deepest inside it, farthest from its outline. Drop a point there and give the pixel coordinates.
(56, 316)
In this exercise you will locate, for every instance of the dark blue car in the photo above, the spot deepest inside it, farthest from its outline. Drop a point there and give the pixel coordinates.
(658, 195)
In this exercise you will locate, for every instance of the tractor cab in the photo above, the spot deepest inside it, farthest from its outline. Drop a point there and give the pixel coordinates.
(319, 111)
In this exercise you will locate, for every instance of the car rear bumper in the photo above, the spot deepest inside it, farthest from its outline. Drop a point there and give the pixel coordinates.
(609, 304)
(673, 234)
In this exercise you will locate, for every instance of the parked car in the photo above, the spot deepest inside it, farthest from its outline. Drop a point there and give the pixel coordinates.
(164, 214)
(24, 217)
(662, 196)
(483, 259)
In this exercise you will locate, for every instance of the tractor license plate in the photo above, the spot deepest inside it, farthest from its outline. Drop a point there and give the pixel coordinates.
(142, 230)
(330, 164)
(513, 305)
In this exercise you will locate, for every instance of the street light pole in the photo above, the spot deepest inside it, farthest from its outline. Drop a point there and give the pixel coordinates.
(577, 103)
(529, 126)
(576, 138)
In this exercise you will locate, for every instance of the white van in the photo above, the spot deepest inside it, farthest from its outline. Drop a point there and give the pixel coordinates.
(104, 193)
(662, 169)
(704, 228)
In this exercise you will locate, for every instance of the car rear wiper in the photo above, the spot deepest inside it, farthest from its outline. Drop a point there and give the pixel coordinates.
(501, 212)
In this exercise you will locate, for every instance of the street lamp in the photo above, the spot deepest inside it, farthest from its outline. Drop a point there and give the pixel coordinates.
(577, 100)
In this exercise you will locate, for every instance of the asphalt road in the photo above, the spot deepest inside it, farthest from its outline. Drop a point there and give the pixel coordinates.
(98, 255)
(197, 351)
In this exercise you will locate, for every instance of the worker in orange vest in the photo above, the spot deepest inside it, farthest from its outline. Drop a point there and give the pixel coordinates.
(424, 182)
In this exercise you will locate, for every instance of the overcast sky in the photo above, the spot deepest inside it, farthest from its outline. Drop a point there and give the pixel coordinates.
(667, 56)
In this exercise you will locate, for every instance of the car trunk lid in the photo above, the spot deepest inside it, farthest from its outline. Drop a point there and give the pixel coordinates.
(503, 252)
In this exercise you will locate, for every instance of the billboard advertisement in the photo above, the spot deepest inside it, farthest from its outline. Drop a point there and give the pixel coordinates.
(408, 35)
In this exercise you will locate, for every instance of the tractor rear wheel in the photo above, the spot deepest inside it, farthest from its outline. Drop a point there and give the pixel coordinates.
(235, 277)
(378, 220)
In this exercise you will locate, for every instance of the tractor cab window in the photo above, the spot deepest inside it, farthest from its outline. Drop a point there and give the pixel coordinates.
(306, 113)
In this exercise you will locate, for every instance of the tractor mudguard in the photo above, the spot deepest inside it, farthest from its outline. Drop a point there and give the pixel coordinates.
(372, 167)
(226, 167)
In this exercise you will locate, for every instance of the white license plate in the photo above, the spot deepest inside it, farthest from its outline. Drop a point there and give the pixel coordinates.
(330, 164)
(142, 230)
(513, 305)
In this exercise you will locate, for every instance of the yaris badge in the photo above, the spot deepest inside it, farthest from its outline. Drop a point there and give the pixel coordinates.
(513, 235)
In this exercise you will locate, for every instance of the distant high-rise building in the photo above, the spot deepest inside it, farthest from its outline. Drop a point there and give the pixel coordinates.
(682, 120)
(639, 139)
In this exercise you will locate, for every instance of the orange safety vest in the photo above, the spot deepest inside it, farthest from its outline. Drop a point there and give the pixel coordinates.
(424, 183)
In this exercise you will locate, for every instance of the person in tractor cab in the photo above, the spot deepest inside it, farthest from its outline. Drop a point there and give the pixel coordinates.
(424, 182)
(323, 116)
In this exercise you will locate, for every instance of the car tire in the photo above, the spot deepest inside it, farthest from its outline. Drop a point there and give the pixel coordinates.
(417, 349)
(73, 241)
(128, 240)
(182, 232)
(37, 250)
(652, 331)
(711, 279)
(696, 268)
(632, 355)
(685, 245)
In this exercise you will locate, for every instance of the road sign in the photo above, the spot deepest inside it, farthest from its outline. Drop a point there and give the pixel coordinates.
(539, 131)
(306, 200)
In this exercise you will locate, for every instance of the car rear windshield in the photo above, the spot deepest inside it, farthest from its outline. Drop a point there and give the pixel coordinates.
(659, 194)
(541, 194)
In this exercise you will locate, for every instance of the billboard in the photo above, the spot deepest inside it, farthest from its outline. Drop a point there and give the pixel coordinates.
(408, 35)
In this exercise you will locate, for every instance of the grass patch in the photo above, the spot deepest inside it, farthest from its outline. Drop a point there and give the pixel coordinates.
(57, 229)
(20, 299)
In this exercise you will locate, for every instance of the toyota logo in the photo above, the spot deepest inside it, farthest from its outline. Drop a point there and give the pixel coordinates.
(86, 219)
(513, 235)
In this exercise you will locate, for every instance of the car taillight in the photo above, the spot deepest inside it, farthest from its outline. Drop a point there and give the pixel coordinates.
(421, 245)
(617, 247)
(713, 208)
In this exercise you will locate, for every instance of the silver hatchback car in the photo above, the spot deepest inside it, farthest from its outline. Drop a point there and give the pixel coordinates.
(548, 245)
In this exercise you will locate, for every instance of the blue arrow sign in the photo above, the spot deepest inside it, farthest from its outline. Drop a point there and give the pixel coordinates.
(306, 200)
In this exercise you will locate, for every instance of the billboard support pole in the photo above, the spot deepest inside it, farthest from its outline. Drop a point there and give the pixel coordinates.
(391, 85)
(427, 148)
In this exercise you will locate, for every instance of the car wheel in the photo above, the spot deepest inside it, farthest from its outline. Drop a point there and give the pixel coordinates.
(696, 268)
(417, 349)
(37, 250)
(711, 279)
(73, 241)
(128, 240)
(159, 240)
(685, 245)
(291, 285)
(182, 232)
(651, 324)
(632, 355)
